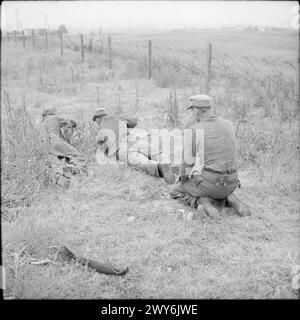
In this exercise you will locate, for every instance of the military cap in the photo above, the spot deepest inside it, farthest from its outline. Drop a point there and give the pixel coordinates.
(48, 112)
(200, 101)
(100, 112)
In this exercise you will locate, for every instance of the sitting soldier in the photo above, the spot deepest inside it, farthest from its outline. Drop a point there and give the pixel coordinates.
(209, 169)
(65, 158)
(116, 140)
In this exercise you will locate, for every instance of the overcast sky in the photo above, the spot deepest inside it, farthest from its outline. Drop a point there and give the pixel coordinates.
(147, 14)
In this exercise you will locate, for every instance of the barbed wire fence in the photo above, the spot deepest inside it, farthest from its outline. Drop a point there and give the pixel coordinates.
(202, 63)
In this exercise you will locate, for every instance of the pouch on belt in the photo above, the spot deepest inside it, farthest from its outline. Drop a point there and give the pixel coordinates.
(222, 181)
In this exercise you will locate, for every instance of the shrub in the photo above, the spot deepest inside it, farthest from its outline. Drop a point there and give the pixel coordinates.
(25, 166)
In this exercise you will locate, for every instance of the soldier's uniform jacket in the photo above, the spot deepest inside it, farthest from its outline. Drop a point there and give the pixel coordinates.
(220, 148)
(50, 128)
(52, 138)
(113, 130)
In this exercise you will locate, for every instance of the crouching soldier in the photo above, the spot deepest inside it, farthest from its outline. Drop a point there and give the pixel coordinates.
(210, 172)
(117, 140)
(65, 158)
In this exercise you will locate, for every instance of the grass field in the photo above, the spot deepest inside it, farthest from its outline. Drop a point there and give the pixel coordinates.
(126, 217)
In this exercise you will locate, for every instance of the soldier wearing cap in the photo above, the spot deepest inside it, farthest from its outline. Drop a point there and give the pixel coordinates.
(209, 171)
(117, 140)
(109, 135)
(98, 114)
(54, 141)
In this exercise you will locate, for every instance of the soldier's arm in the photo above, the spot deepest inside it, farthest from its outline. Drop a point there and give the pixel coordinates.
(189, 153)
(100, 138)
(130, 121)
(100, 143)
(103, 148)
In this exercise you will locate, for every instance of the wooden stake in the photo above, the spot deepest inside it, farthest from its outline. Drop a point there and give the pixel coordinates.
(23, 36)
(109, 53)
(91, 45)
(61, 43)
(82, 47)
(208, 73)
(98, 96)
(46, 39)
(149, 59)
(297, 83)
(32, 39)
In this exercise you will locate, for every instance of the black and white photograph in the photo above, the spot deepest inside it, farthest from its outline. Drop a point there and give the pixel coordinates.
(150, 150)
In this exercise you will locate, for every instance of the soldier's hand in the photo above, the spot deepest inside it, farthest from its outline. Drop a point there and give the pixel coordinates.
(183, 179)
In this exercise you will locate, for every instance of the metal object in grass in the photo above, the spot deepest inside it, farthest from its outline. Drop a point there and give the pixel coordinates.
(65, 255)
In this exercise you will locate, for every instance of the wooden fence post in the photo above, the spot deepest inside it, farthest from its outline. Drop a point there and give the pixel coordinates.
(208, 72)
(149, 59)
(61, 44)
(32, 39)
(91, 45)
(82, 47)
(15, 36)
(109, 53)
(98, 96)
(297, 82)
(23, 36)
(46, 39)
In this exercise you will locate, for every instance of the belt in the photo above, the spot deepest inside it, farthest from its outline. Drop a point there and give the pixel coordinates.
(218, 172)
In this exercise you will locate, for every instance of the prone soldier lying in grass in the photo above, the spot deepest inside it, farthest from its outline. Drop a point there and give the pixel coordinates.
(117, 140)
(55, 134)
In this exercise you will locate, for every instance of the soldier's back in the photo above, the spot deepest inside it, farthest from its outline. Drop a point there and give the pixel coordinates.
(220, 147)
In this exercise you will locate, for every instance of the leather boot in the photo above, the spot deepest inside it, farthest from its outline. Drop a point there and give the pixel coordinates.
(242, 209)
(168, 175)
(209, 208)
(200, 211)
(63, 182)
